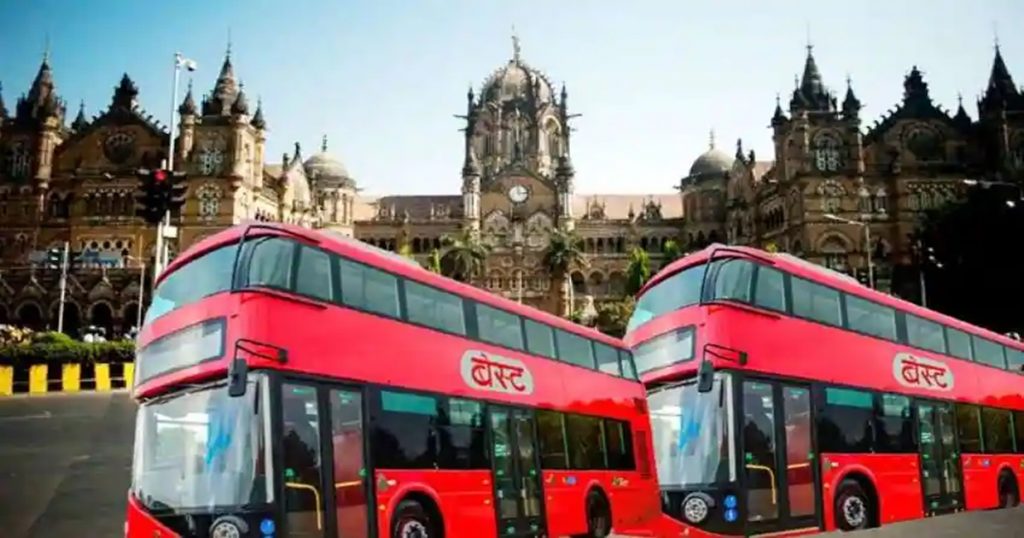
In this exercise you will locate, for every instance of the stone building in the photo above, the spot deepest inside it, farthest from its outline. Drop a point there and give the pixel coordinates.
(827, 167)
(76, 183)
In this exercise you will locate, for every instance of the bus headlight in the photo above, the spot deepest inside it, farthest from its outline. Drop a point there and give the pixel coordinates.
(228, 527)
(697, 507)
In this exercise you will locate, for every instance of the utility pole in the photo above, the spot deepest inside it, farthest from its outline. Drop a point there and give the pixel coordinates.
(63, 286)
(142, 295)
(165, 222)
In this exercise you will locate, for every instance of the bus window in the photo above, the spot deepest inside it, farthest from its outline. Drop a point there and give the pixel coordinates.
(770, 291)
(368, 289)
(1015, 360)
(968, 425)
(574, 349)
(988, 352)
(607, 359)
(998, 434)
(586, 445)
(462, 436)
(925, 334)
(1018, 431)
(796, 410)
(271, 262)
(844, 425)
(620, 445)
(675, 292)
(895, 432)
(434, 308)
(815, 302)
(733, 280)
(313, 278)
(670, 348)
(204, 276)
(403, 434)
(301, 444)
(628, 368)
(498, 327)
(959, 343)
(540, 339)
(554, 454)
(870, 318)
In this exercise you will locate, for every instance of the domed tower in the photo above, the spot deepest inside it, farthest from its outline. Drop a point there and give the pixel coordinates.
(334, 190)
(703, 191)
(516, 133)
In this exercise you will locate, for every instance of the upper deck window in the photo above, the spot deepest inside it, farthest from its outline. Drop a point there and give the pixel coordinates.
(313, 277)
(925, 334)
(204, 276)
(271, 263)
(816, 302)
(870, 318)
(988, 352)
(607, 359)
(1015, 361)
(498, 327)
(574, 349)
(959, 343)
(434, 308)
(733, 279)
(770, 292)
(540, 339)
(368, 289)
(675, 292)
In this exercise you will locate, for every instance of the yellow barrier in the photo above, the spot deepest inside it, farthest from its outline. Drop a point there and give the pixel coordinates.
(102, 376)
(129, 375)
(71, 378)
(6, 380)
(37, 378)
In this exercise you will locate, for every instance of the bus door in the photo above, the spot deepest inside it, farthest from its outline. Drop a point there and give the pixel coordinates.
(778, 457)
(322, 469)
(941, 481)
(516, 472)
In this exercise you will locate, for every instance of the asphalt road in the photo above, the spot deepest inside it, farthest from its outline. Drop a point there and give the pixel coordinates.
(65, 464)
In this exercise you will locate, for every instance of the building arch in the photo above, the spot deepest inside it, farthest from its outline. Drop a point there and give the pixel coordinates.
(29, 314)
(101, 314)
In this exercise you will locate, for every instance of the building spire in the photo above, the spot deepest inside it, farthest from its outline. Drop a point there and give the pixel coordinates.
(257, 120)
(323, 143)
(46, 49)
(227, 54)
(711, 139)
(80, 122)
(515, 45)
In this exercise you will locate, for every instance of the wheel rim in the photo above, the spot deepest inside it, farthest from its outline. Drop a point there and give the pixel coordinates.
(413, 529)
(854, 511)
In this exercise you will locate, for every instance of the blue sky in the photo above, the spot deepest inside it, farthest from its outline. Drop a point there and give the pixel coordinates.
(382, 78)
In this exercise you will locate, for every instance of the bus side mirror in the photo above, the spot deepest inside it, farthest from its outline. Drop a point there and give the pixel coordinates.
(705, 376)
(237, 374)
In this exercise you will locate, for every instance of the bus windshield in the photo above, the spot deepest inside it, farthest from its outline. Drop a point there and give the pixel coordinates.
(693, 443)
(675, 292)
(202, 449)
(206, 275)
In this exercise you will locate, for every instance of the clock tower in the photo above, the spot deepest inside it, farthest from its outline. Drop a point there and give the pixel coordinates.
(514, 181)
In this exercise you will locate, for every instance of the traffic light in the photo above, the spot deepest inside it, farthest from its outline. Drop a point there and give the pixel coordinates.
(159, 191)
(149, 198)
(178, 185)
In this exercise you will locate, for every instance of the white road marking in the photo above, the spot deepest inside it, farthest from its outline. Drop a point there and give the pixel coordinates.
(37, 416)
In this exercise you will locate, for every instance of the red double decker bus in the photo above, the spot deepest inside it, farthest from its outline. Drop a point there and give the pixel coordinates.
(787, 398)
(294, 383)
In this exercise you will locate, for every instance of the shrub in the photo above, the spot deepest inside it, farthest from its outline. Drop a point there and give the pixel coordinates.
(55, 350)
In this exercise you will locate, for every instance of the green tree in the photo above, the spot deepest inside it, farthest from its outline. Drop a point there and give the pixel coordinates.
(613, 316)
(405, 250)
(464, 256)
(434, 261)
(638, 272)
(563, 254)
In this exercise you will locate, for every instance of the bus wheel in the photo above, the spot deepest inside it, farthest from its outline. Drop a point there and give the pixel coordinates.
(411, 520)
(599, 515)
(1009, 496)
(853, 506)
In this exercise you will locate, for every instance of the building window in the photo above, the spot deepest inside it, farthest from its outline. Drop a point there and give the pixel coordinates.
(209, 201)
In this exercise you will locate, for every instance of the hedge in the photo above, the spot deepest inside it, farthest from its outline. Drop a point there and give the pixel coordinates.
(57, 348)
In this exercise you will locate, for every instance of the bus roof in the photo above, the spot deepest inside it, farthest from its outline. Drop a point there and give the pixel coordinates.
(382, 259)
(823, 275)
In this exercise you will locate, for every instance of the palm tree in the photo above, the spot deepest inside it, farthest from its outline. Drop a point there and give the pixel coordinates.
(670, 252)
(638, 272)
(464, 256)
(563, 254)
(434, 261)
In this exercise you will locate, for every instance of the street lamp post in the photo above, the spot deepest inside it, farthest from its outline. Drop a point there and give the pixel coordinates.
(867, 243)
(161, 249)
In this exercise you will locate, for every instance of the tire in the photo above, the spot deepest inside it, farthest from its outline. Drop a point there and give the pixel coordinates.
(1009, 494)
(853, 507)
(411, 520)
(599, 515)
